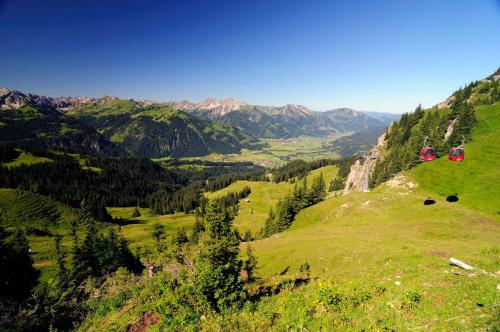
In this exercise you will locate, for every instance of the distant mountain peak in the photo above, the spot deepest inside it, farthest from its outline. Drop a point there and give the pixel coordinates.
(15, 99)
(288, 108)
(227, 104)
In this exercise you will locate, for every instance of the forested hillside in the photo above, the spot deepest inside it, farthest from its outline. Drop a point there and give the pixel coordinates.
(445, 126)
(34, 121)
(157, 130)
(99, 182)
(112, 127)
(289, 120)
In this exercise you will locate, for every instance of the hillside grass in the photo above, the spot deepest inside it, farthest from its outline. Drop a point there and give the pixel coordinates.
(381, 237)
(138, 231)
(29, 210)
(388, 239)
(264, 196)
(476, 180)
(23, 208)
(116, 107)
(26, 158)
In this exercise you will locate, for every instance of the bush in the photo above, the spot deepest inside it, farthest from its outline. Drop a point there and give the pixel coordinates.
(411, 300)
(329, 297)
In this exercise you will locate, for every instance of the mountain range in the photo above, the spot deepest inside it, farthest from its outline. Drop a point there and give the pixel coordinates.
(286, 121)
(118, 127)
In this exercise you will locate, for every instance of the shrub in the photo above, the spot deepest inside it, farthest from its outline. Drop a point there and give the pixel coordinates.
(328, 296)
(411, 300)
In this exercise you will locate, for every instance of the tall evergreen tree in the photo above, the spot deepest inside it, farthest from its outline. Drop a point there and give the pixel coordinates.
(18, 276)
(159, 235)
(217, 266)
(136, 212)
(62, 272)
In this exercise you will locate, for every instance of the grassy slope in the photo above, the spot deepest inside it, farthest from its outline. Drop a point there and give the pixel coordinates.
(264, 195)
(21, 208)
(27, 209)
(477, 179)
(139, 234)
(388, 235)
(392, 238)
(27, 159)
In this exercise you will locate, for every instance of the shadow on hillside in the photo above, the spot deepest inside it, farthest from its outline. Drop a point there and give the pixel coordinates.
(429, 201)
(452, 198)
(268, 290)
(125, 222)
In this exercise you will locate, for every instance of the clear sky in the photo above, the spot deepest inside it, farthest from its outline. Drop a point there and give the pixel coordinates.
(369, 55)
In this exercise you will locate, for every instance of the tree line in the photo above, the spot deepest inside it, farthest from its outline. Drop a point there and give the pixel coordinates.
(405, 137)
(298, 169)
(118, 182)
(282, 217)
(200, 274)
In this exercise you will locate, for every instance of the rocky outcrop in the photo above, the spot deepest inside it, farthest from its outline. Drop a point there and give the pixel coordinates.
(213, 107)
(359, 175)
(449, 129)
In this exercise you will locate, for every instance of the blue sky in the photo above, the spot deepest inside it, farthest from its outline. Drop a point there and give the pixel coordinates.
(369, 55)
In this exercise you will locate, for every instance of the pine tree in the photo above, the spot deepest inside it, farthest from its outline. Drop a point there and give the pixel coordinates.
(217, 267)
(18, 276)
(198, 228)
(62, 272)
(250, 265)
(269, 226)
(462, 130)
(159, 235)
(136, 212)
(317, 193)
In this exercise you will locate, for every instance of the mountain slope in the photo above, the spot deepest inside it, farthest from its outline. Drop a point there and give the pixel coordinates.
(446, 125)
(376, 261)
(388, 238)
(476, 180)
(30, 120)
(24, 208)
(112, 127)
(282, 122)
(157, 130)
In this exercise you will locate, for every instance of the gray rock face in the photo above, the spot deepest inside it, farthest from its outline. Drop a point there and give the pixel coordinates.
(359, 175)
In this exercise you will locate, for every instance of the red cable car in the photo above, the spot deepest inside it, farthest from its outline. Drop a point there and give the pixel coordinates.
(427, 153)
(457, 153)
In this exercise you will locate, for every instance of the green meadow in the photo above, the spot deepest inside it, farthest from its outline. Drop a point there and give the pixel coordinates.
(280, 151)
(476, 180)
(26, 158)
(138, 230)
(264, 196)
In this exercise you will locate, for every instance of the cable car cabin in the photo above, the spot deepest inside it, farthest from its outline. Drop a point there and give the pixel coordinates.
(456, 154)
(427, 154)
